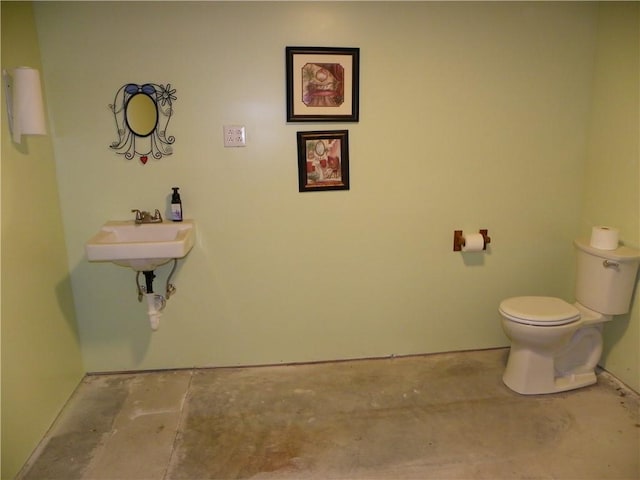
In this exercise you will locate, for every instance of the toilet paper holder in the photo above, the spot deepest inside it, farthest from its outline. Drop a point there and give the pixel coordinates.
(459, 241)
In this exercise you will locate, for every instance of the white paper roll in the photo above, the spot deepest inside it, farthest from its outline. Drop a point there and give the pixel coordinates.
(27, 106)
(604, 238)
(473, 243)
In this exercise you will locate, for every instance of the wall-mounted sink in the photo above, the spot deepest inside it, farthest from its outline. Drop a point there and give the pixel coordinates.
(142, 247)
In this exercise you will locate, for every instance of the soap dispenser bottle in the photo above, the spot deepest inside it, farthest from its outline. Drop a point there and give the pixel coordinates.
(176, 206)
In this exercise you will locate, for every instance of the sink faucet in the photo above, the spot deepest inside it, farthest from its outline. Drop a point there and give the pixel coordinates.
(146, 217)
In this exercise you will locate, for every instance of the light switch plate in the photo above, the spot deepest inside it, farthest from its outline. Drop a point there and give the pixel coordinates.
(234, 136)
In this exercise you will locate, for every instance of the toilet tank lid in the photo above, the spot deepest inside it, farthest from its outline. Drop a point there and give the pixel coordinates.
(620, 254)
(539, 310)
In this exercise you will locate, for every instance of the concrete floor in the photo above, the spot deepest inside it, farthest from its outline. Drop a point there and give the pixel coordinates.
(428, 417)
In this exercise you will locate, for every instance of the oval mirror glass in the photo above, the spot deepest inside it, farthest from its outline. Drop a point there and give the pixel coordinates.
(141, 114)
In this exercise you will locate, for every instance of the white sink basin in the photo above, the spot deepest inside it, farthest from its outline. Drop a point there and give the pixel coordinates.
(142, 247)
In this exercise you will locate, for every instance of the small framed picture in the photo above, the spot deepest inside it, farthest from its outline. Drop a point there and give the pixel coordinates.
(322, 84)
(323, 160)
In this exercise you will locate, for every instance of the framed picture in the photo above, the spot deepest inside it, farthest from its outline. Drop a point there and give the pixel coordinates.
(322, 84)
(323, 160)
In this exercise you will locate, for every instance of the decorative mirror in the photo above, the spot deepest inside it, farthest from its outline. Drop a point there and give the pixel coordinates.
(142, 114)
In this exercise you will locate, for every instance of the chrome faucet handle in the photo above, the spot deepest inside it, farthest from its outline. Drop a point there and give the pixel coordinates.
(157, 217)
(139, 215)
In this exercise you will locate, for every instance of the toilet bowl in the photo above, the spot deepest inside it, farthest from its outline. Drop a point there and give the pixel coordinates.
(555, 345)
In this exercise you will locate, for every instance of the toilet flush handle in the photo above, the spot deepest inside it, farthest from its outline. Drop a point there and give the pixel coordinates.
(610, 264)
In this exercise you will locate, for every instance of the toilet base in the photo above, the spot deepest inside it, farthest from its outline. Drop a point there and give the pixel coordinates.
(530, 373)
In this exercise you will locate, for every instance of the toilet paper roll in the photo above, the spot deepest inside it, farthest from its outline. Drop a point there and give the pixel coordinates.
(604, 238)
(473, 243)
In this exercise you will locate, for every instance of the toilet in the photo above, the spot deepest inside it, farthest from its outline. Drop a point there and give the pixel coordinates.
(556, 345)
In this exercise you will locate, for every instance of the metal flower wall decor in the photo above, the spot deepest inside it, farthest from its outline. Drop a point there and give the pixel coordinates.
(142, 114)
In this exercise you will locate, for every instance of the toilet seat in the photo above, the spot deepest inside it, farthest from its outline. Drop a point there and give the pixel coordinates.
(539, 311)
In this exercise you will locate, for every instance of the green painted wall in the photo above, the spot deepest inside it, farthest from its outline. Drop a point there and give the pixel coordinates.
(517, 117)
(612, 186)
(41, 363)
(473, 115)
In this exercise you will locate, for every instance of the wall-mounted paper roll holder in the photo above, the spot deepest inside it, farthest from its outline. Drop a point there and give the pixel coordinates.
(25, 107)
(459, 241)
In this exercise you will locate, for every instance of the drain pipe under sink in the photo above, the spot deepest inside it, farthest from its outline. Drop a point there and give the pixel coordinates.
(155, 302)
(155, 306)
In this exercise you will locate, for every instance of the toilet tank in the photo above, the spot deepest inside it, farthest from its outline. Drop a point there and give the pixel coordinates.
(605, 279)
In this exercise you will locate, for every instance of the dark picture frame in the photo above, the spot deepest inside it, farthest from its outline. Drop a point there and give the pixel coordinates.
(323, 160)
(323, 84)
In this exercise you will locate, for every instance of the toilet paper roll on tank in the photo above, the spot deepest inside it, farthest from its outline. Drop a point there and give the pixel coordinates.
(604, 238)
